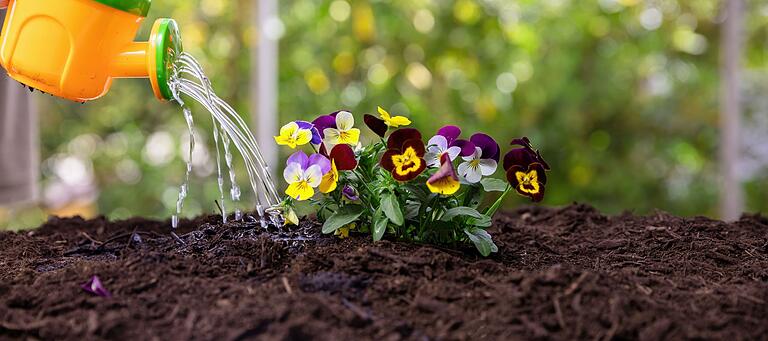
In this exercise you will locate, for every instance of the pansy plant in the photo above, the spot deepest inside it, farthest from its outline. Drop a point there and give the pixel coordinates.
(397, 186)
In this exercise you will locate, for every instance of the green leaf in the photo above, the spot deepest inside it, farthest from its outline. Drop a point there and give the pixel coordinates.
(485, 221)
(461, 211)
(391, 208)
(482, 240)
(493, 185)
(412, 209)
(379, 224)
(343, 216)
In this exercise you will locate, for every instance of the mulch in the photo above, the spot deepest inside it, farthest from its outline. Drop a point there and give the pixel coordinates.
(560, 273)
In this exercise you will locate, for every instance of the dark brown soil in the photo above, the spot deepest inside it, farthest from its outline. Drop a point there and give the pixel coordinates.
(567, 273)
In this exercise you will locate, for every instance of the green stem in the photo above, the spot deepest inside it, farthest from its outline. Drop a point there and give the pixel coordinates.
(469, 194)
(495, 207)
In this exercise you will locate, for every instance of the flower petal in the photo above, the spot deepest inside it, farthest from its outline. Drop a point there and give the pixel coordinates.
(444, 181)
(398, 137)
(467, 147)
(300, 190)
(303, 137)
(289, 129)
(469, 173)
(293, 173)
(488, 167)
(450, 132)
(420, 166)
(440, 142)
(386, 159)
(323, 122)
(344, 157)
(432, 157)
(519, 157)
(489, 146)
(94, 286)
(345, 121)
(304, 125)
(453, 152)
(291, 218)
(330, 180)
(332, 136)
(398, 121)
(376, 124)
(316, 137)
(383, 113)
(313, 175)
(299, 157)
(351, 136)
(320, 161)
(475, 155)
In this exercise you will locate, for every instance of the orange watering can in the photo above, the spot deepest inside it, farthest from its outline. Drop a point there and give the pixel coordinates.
(75, 48)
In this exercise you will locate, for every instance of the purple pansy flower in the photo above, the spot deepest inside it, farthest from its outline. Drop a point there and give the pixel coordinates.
(483, 161)
(303, 174)
(326, 121)
(95, 287)
(447, 141)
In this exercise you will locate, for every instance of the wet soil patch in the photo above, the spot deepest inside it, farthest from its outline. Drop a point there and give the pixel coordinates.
(561, 273)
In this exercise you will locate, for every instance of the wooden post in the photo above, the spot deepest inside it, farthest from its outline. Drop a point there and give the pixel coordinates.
(264, 81)
(731, 52)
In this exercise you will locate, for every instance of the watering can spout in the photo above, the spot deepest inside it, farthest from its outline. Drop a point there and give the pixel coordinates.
(75, 48)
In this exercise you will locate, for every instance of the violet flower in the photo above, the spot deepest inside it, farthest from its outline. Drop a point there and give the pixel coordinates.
(447, 141)
(95, 287)
(483, 161)
(304, 173)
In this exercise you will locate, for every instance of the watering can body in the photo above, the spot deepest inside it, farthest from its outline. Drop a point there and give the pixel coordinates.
(75, 48)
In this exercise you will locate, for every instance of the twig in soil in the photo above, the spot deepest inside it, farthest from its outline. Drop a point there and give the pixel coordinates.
(93, 240)
(360, 312)
(287, 286)
(175, 236)
(575, 285)
(558, 311)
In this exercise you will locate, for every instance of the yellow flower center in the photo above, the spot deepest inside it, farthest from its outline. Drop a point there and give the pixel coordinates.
(474, 163)
(406, 162)
(528, 182)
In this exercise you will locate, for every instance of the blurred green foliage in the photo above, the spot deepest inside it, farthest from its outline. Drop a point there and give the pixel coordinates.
(621, 96)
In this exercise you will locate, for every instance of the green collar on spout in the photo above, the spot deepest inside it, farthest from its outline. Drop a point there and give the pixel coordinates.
(137, 7)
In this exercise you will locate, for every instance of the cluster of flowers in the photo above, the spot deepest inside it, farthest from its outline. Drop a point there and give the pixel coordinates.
(400, 184)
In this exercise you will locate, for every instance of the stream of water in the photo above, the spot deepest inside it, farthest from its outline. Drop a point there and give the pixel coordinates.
(229, 129)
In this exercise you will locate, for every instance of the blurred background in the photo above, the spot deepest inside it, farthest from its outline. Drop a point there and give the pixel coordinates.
(622, 97)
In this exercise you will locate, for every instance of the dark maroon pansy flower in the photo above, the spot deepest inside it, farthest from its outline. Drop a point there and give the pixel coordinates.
(526, 169)
(344, 157)
(95, 287)
(376, 124)
(530, 181)
(404, 157)
(451, 134)
(488, 145)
